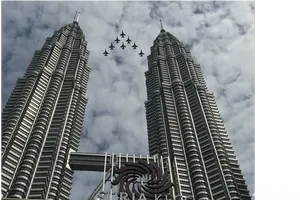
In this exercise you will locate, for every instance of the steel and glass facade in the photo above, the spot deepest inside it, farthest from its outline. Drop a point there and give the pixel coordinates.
(185, 126)
(43, 117)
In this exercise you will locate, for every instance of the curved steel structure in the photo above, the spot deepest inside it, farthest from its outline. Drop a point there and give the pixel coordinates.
(130, 179)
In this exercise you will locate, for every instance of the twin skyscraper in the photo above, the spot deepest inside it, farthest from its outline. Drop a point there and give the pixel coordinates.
(188, 144)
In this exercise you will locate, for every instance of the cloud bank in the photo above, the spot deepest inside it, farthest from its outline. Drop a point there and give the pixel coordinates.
(221, 38)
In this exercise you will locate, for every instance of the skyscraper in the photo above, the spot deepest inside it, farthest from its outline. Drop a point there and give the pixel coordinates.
(185, 126)
(41, 122)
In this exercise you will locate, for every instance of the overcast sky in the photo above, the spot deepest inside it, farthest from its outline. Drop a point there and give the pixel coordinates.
(221, 38)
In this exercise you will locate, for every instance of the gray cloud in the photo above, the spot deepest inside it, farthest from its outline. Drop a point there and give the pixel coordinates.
(221, 38)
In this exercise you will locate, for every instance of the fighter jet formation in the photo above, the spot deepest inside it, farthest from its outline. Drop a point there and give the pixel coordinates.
(141, 53)
(128, 40)
(134, 46)
(122, 34)
(111, 46)
(123, 46)
(105, 53)
(117, 40)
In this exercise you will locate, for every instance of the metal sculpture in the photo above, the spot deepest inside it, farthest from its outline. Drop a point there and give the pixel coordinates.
(142, 178)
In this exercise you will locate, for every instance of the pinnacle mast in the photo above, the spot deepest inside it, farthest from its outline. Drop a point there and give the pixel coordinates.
(162, 28)
(76, 17)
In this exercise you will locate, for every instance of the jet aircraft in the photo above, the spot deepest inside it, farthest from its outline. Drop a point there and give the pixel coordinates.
(122, 34)
(123, 46)
(134, 46)
(111, 46)
(105, 53)
(117, 40)
(141, 53)
(128, 40)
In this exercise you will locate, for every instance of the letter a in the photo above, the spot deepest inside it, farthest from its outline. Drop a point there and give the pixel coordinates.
(142, 195)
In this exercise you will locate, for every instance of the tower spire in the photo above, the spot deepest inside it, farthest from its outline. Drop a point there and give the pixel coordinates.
(162, 28)
(76, 17)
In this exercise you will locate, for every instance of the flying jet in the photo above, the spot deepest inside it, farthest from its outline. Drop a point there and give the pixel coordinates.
(141, 53)
(111, 46)
(128, 40)
(134, 46)
(117, 40)
(105, 53)
(122, 34)
(123, 46)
